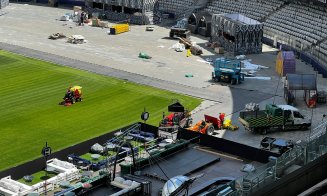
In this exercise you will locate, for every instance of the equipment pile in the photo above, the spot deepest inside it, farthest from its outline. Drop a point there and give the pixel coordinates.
(56, 36)
(76, 39)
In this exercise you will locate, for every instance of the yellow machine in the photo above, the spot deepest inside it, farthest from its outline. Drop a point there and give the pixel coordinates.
(119, 28)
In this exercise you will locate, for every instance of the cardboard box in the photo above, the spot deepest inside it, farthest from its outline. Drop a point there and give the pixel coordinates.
(219, 50)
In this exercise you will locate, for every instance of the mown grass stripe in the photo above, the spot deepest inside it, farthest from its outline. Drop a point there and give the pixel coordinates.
(30, 91)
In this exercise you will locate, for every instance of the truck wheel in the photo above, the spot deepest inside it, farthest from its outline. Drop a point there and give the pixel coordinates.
(264, 131)
(238, 81)
(304, 127)
(233, 81)
(210, 130)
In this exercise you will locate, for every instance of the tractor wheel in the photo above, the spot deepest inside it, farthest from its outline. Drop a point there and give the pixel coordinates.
(210, 129)
(217, 79)
(233, 81)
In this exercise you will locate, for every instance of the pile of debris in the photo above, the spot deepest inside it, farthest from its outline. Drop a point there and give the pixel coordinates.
(66, 17)
(76, 39)
(185, 44)
(217, 47)
(56, 36)
(98, 23)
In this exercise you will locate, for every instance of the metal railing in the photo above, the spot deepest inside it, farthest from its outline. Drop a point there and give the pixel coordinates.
(274, 170)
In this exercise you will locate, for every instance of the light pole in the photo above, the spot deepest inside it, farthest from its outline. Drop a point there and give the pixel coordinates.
(46, 152)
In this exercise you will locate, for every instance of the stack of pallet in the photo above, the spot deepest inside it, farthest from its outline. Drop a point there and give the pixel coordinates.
(4, 3)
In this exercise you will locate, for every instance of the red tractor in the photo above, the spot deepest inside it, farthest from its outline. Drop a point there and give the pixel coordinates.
(178, 117)
(206, 126)
(181, 119)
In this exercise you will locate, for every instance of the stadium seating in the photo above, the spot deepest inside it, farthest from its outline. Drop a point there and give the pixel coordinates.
(174, 6)
(320, 51)
(299, 25)
(255, 9)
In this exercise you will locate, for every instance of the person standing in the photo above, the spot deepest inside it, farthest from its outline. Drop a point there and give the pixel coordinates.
(221, 118)
(82, 18)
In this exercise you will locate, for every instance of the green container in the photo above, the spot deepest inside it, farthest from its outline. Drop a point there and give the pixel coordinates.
(273, 110)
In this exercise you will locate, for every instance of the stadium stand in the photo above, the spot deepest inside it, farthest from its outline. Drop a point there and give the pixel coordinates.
(181, 9)
(299, 25)
(255, 9)
(320, 51)
(175, 7)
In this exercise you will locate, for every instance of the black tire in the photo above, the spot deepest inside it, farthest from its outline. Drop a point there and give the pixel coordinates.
(171, 35)
(305, 127)
(233, 81)
(210, 130)
(218, 79)
(188, 123)
(238, 81)
(263, 131)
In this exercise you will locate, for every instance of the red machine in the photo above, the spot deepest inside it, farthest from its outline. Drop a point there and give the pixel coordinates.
(206, 126)
(73, 94)
(181, 119)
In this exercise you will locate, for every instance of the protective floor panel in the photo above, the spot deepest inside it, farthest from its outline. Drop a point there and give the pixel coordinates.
(180, 163)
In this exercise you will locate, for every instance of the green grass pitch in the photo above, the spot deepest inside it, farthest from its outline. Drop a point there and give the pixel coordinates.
(30, 91)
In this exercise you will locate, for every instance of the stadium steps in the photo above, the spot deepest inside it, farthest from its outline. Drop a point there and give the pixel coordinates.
(195, 7)
(320, 41)
(273, 12)
(309, 48)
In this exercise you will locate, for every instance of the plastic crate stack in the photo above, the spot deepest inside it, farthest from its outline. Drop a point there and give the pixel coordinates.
(4, 3)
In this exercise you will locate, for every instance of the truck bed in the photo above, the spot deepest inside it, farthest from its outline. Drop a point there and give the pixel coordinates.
(259, 119)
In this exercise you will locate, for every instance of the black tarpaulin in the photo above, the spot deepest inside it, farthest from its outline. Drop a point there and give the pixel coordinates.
(176, 107)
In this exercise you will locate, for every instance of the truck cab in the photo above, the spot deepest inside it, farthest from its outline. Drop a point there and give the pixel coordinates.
(294, 117)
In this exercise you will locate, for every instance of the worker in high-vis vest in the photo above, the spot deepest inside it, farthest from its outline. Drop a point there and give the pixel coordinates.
(188, 53)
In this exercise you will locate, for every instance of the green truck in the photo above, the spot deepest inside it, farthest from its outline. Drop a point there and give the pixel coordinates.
(281, 117)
